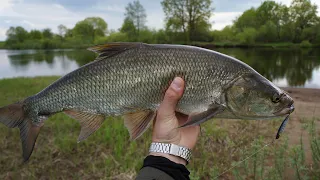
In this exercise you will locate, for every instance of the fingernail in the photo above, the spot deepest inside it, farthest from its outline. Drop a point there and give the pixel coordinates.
(176, 84)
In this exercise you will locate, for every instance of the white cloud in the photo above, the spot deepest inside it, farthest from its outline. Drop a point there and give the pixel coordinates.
(155, 20)
(28, 23)
(222, 19)
(3, 33)
(5, 4)
(110, 8)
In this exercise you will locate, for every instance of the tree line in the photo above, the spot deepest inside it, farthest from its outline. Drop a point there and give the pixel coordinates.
(186, 22)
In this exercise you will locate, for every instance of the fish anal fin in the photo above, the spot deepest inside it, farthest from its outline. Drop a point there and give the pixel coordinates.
(198, 118)
(89, 122)
(110, 49)
(138, 122)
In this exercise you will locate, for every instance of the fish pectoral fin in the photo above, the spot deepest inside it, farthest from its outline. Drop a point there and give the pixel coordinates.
(89, 122)
(198, 118)
(110, 49)
(138, 122)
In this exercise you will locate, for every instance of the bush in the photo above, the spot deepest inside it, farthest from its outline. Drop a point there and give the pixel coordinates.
(117, 37)
(248, 36)
(305, 44)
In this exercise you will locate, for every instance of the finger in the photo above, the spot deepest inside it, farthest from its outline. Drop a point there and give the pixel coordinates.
(171, 98)
(182, 118)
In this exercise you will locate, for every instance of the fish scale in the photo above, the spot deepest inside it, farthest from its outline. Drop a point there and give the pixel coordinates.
(130, 80)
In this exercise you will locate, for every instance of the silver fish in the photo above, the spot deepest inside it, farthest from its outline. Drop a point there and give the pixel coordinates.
(130, 79)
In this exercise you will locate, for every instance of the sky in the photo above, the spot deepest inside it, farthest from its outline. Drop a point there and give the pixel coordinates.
(40, 14)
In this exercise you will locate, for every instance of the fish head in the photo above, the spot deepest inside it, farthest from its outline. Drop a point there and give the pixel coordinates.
(254, 97)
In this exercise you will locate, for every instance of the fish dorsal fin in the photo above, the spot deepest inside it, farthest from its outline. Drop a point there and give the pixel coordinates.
(198, 118)
(110, 49)
(138, 122)
(89, 122)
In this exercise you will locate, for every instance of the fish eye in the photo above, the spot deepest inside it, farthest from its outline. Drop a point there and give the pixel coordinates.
(275, 98)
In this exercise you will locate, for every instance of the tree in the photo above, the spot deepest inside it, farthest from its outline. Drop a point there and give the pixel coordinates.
(98, 24)
(35, 34)
(129, 29)
(188, 16)
(62, 29)
(89, 29)
(16, 34)
(248, 35)
(226, 34)
(248, 19)
(272, 12)
(47, 34)
(268, 32)
(84, 31)
(304, 15)
(136, 14)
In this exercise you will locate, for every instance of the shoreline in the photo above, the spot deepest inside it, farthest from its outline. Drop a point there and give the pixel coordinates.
(281, 45)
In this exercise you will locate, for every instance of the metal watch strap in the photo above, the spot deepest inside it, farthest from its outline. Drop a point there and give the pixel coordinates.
(172, 149)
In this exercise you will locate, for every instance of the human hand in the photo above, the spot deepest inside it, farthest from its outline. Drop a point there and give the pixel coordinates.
(165, 126)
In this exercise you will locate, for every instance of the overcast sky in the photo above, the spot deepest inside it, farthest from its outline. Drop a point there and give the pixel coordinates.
(40, 14)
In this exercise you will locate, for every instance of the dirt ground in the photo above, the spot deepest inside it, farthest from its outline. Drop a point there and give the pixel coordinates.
(307, 106)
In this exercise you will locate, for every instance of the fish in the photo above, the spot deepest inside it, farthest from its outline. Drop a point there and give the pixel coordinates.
(130, 80)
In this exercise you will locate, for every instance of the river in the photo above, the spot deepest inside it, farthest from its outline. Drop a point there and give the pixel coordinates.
(284, 67)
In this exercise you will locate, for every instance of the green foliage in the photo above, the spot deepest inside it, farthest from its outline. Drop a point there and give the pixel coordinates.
(188, 17)
(135, 20)
(248, 36)
(35, 34)
(117, 37)
(305, 44)
(226, 34)
(89, 29)
(267, 32)
(47, 34)
(129, 28)
(2, 43)
(186, 22)
(247, 20)
(62, 29)
(303, 14)
(16, 35)
(278, 23)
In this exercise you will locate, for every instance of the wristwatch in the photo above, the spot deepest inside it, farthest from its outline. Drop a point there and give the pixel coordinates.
(172, 149)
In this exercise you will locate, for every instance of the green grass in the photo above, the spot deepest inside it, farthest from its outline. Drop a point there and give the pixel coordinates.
(109, 154)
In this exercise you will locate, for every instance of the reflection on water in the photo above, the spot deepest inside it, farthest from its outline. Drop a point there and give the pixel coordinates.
(284, 67)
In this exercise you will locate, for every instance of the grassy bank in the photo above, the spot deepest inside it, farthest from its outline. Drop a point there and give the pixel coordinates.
(108, 153)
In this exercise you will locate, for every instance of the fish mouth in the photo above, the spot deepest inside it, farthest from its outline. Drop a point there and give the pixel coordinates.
(285, 111)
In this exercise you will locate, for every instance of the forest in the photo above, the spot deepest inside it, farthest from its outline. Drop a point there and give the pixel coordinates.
(186, 22)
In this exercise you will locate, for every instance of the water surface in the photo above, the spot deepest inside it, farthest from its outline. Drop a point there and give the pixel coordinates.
(284, 67)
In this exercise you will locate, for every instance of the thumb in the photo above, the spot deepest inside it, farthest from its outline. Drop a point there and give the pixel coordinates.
(171, 98)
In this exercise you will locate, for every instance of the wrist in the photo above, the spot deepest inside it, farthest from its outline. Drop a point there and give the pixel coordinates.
(172, 158)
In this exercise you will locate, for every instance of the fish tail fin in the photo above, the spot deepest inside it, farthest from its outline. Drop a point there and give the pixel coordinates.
(14, 116)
